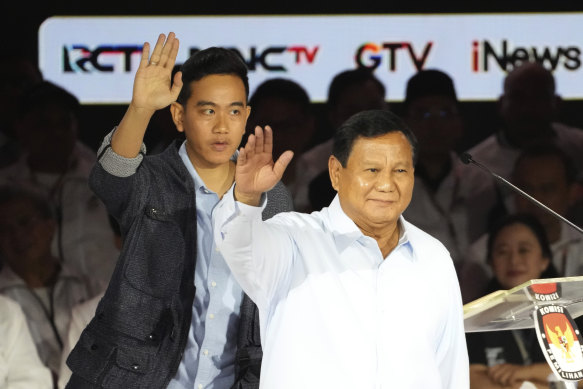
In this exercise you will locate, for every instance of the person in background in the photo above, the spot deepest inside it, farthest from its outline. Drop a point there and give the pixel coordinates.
(544, 171)
(529, 111)
(45, 289)
(18, 73)
(441, 204)
(285, 106)
(518, 251)
(20, 366)
(56, 163)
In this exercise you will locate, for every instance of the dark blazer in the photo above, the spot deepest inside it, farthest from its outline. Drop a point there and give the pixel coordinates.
(140, 328)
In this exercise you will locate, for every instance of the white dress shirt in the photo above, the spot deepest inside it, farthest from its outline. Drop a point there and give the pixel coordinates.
(334, 313)
(20, 366)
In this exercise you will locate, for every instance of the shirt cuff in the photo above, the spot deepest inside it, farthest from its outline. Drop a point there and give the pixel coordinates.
(116, 164)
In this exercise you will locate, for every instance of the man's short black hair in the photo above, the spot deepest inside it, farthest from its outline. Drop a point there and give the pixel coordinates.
(281, 88)
(529, 221)
(44, 93)
(10, 194)
(429, 82)
(344, 80)
(213, 60)
(369, 124)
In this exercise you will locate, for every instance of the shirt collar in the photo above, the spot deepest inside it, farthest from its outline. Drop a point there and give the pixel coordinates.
(346, 232)
(198, 182)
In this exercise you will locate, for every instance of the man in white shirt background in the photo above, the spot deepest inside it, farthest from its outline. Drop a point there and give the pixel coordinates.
(353, 295)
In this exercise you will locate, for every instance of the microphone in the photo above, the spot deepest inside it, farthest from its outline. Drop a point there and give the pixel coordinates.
(467, 159)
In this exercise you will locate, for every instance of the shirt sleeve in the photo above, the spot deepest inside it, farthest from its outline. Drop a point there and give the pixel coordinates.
(24, 369)
(259, 253)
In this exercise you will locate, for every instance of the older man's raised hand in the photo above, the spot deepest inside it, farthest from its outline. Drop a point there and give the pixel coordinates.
(256, 172)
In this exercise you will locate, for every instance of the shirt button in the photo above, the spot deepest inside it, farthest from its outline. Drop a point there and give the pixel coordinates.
(199, 386)
(205, 352)
(217, 249)
(206, 191)
(213, 284)
(211, 316)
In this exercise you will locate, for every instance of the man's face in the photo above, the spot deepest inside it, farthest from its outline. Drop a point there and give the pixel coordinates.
(213, 119)
(545, 179)
(436, 123)
(527, 106)
(24, 234)
(376, 185)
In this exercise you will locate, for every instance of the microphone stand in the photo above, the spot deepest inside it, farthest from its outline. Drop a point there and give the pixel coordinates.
(467, 159)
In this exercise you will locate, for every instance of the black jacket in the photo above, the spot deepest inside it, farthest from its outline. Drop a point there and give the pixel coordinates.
(140, 329)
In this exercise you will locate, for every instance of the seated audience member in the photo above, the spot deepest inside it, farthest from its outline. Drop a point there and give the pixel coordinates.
(56, 163)
(518, 251)
(20, 366)
(285, 106)
(81, 315)
(441, 200)
(32, 276)
(17, 73)
(350, 91)
(529, 109)
(545, 172)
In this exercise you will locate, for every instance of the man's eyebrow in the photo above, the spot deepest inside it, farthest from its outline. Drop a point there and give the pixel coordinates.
(202, 103)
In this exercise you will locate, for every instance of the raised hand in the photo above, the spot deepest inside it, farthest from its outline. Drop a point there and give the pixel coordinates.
(256, 172)
(153, 89)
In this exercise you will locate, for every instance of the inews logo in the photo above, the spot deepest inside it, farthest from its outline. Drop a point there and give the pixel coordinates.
(118, 58)
(506, 56)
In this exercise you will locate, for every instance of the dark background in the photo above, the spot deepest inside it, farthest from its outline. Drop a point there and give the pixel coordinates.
(22, 20)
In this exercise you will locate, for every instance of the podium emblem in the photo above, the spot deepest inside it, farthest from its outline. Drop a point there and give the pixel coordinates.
(560, 341)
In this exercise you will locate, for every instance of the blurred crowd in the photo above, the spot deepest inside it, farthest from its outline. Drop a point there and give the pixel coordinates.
(58, 245)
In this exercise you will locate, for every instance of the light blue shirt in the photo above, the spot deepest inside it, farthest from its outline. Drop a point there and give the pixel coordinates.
(209, 356)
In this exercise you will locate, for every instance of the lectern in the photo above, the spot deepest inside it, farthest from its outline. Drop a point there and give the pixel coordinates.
(547, 305)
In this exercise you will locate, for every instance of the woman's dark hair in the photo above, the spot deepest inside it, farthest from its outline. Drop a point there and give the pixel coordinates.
(213, 60)
(369, 124)
(527, 220)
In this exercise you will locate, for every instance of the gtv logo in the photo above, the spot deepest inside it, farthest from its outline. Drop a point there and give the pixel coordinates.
(269, 57)
(370, 55)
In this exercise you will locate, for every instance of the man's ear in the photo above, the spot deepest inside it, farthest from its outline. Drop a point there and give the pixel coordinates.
(177, 112)
(334, 169)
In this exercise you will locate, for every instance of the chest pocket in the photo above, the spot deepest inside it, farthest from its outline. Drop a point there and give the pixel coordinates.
(156, 254)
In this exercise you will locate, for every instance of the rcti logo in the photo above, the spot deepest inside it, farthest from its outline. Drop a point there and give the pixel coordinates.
(507, 57)
(79, 58)
(270, 57)
(110, 58)
(370, 55)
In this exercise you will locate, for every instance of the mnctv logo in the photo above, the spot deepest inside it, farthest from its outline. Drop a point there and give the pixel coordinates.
(112, 58)
(270, 57)
(506, 56)
(370, 55)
